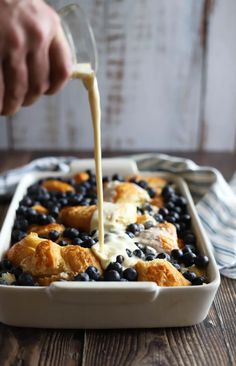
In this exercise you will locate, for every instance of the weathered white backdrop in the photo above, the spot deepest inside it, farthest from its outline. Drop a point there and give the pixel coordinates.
(167, 77)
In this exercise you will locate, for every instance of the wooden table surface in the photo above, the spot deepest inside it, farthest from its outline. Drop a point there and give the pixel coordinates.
(213, 342)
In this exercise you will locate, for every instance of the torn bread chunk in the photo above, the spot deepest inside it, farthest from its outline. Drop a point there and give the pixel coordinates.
(160, 271)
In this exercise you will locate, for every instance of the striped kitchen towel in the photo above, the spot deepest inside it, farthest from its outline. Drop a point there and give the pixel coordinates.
(215, 199)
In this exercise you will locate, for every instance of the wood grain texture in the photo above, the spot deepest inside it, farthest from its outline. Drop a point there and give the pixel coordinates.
(37, 347)
(150, 55)
(220, 107)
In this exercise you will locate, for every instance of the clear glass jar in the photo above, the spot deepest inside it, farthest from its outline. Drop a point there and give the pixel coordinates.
(79, 35)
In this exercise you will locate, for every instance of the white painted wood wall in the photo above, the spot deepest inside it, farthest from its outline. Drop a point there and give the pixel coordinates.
(167, 75)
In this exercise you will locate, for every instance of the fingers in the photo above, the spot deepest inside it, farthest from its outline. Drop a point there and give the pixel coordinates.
(60, 63)
(14, 81)
(38, 75)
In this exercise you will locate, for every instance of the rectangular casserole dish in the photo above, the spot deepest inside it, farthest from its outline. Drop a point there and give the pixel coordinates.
(107, 304)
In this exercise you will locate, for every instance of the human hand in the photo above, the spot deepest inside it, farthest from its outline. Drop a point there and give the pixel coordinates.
(34, 55)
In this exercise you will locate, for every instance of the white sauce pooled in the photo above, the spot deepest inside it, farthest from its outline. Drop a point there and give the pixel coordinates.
(116, 244)
(115, 216)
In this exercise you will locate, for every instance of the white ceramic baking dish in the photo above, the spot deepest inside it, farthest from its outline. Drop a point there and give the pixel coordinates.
(106, 304)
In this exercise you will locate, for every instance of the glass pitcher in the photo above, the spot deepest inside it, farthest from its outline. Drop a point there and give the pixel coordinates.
(79, 35)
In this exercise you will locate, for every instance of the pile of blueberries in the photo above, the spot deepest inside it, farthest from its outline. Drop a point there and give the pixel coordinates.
(174, 211)
(113, 272)
(22, 278)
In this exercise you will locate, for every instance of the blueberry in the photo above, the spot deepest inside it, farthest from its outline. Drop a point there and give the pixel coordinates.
(175, 215)
(142, 184)
(147, 207)
(177, 226)
(151, 192)
(76, 200)
(177, 209)
(170, 205)
(188, 259)
(114, 266)
(130, 274)
(117, 177)
(25, 279)
(106, 179)
(32, 215)
(63, 243)
(42, 219)
(26, 201)
(21, 211)
(5, 265)
(80, 190)
(88, 243)
(112, 275)
(93, 273)
(71, 233)
(148, 224)
(138, 253)
(163, 211)
(120, 259)
(131, 235)
(133, 228)
(150, 251)
(54, 211)
(3, 282)
(167, 191)
(17, 235)
(21, 224)
(176, 254)
(16, 271)
(181, 201)
(199, 281)
(150, 257)
(64, 202)
(186, 219)
(158, 217)
(189, 237)
(53, 235)
(129, 253)
(190, 276)
(77, 241)
(163, 256)
(201, 261)
(83, 277)
(170, 219)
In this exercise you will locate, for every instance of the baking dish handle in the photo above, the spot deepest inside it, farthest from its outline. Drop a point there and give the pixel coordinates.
(103, 293)
(123, 166)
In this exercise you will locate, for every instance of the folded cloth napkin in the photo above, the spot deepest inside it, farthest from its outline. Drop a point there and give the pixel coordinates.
(215, 199)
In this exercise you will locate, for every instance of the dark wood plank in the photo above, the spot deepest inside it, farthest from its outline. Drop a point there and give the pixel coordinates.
(39, 347)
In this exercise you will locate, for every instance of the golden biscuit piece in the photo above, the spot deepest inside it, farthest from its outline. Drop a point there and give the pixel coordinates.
(81, 177)
(160, 271)
(44, 230)
(78, 259)
(162, 237)
(24, 248)
(77, 216)
(44, 258)
(40, 209)
(155, 182)
(57, 185)
(125, 192)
